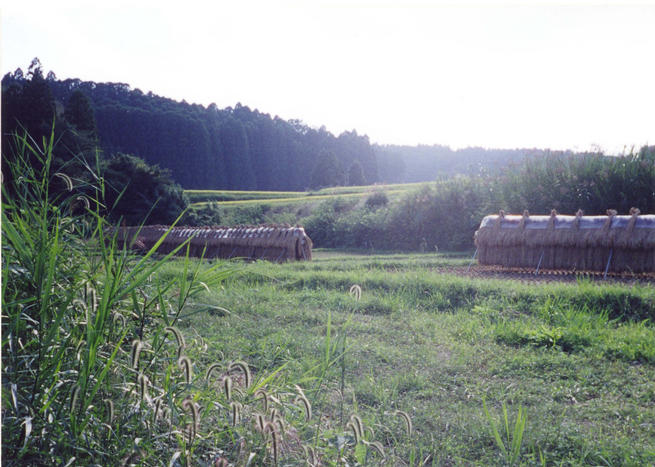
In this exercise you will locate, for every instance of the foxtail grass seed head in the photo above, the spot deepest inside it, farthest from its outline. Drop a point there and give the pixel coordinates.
(235, 407)
(118, 316)
(189, 406)
(259, 422)
(178, 337)
(227, 386)
(78, 351)
(262, 393)
(137, 346)
(110, 410)
(377, 446)
(67, 180)
(275, 442)
(408, 421)
(280, 422)
(243, 366)
(359, 426)
(77, 303)
(142, 381)
(274, 413)
(84, 201)
(212, 367)
(157, 408)
(76, 392)
(356, 292)
(307, 406)
(184, 363)
(310, 454)
(353, 427)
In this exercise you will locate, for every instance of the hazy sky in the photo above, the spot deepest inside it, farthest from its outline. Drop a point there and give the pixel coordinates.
(494, 74)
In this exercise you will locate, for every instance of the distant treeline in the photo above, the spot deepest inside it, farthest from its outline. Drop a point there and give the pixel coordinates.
(243, 149)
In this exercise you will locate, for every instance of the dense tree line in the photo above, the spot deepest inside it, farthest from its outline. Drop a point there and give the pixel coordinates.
(234, 148)
(129, 189)
(208, 147)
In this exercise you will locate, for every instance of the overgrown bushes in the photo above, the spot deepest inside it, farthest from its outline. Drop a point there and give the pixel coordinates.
(445, 214)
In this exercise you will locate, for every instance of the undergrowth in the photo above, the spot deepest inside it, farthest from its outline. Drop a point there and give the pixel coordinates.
(97, 364)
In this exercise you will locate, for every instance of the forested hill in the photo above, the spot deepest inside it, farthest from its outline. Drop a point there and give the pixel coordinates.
(212, 148)
(244, 149)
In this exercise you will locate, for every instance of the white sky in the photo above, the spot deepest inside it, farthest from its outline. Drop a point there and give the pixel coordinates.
(526, 73)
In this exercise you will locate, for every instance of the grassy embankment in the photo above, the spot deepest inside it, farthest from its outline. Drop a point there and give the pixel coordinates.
(200, 198)
(290, 199)
(577, 361)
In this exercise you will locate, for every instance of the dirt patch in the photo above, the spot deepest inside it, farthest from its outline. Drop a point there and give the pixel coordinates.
(545, 275)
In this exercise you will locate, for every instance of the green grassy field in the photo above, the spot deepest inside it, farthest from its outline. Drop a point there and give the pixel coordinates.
(200, 198)
(573, 365)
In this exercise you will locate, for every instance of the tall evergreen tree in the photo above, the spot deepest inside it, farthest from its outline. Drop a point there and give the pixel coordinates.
(79, 113)
(327, 172)
(356, 174)
(37, 103)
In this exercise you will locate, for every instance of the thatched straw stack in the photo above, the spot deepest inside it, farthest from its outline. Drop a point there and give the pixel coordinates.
(592, 243)
(271, 242)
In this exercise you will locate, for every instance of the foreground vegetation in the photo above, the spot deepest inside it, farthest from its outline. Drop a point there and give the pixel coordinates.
(96, 368)
(113, 359)
(572, 364)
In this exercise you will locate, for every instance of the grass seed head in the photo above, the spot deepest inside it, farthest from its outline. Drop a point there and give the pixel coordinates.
(178, 337)
(157, 408)
(408, 421)
(118, 316)
(243, 366)
(212, 367)
(377, 446)
(275, 442)
(110, 409)
(305, 402)
(353, 427)
(236, 411)
(137, 346)
(67, 180)
(357, 423)
(76, 392)
(264, 396)
(356, 291)
(227, 386)
(84, 201)
(259, 421)
(184, 363)
(189, 406)
(142, 381)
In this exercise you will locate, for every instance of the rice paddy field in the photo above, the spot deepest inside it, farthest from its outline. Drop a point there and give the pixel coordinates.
(225, 198)
(489, 371)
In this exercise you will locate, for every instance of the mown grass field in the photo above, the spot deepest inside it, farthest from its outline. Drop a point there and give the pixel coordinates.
(201, 198)
(577, 359)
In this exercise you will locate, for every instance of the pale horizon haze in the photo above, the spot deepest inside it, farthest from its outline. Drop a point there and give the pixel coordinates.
(560, 75)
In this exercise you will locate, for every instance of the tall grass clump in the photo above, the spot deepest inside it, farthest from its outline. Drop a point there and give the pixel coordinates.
(96, 368)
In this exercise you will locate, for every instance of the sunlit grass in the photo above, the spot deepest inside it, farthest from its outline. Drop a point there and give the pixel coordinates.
(439, 346)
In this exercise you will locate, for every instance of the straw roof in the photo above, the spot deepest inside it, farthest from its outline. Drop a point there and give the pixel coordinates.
(568, 241)
(273, 242)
